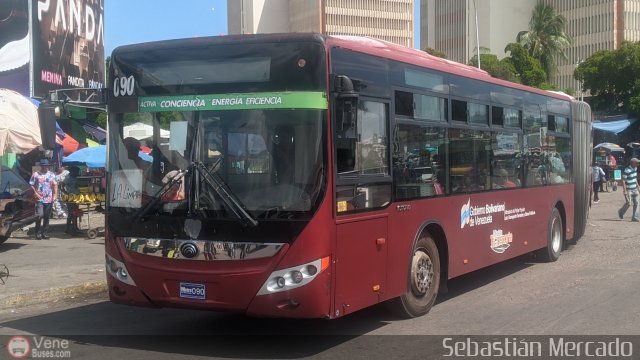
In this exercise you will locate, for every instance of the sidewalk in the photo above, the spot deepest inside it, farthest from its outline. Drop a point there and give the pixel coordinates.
(48, 271)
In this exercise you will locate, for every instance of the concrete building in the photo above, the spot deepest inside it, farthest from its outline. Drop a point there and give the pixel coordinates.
(594, 25)
(449, 25)
(390, 20)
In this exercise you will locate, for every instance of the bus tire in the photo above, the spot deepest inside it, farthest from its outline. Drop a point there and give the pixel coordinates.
(555, 237)
(423, 282)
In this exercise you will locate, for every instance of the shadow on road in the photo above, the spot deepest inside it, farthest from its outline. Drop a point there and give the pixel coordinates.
(8, 246)
(192, 332)
(469, 282)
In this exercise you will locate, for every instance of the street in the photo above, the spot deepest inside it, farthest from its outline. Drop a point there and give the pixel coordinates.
(593, 289)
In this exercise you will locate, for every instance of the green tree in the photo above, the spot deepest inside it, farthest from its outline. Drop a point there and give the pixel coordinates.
(546, 37)
(435, 52)
(501, 69)
(613, 78)
(527, 68)
(101, 120)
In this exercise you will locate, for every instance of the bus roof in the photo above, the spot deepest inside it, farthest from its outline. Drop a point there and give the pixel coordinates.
(361, 44)
(421, 58)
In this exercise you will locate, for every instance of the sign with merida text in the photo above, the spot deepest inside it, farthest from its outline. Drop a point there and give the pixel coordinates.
(241, 101)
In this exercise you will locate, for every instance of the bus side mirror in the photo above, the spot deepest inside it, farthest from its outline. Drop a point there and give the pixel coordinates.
(347, 105)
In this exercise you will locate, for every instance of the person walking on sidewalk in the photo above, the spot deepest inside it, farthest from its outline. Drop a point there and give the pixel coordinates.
(59, 210)
(43, 183)
(630, 189)
(69, 186)
(597, 176)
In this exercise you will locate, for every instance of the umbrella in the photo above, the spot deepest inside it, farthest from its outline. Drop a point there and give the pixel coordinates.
(94, 157)
(19, 127)
(69, 144)
(96, 132)
(611, 147)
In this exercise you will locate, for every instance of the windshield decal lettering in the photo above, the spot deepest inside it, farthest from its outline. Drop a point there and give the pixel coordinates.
(126, 188)
(271, 100)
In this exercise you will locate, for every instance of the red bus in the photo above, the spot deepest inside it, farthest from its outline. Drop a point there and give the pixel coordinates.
(310, 176)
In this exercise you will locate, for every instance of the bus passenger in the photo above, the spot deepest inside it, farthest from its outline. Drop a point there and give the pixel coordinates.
(133, 148)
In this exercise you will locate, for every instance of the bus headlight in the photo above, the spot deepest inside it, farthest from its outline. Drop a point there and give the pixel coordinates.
(291, 278)
(117, 269)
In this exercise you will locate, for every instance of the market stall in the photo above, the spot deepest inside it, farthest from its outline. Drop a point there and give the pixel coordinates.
(609, 156)
(91, 183)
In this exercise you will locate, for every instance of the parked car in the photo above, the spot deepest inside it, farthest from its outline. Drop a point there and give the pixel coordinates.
(17, 203)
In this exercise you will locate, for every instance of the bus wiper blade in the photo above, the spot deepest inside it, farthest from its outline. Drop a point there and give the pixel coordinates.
(229, 199)
(155, 199)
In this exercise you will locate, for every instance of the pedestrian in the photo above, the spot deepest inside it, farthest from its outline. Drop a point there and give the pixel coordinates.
(630, 189)
(597, 176)
(59, 210)
(69, 186)
(45, 188)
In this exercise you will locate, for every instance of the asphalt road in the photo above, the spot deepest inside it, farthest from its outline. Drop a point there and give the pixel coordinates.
(593, 289)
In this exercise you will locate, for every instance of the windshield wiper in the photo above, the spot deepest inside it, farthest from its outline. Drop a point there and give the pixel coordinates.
(228, 198)
(155, 199)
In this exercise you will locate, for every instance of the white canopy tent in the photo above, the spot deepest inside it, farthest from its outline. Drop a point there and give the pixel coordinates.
(19, 126)
(141, 131)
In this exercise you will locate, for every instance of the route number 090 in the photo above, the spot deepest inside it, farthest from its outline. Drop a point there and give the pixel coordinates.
(123, 86)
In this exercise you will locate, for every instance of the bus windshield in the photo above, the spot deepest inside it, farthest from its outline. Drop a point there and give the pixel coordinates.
(269, 160)
(218, 128)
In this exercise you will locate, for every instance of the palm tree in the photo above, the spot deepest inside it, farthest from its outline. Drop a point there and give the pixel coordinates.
(546, 37)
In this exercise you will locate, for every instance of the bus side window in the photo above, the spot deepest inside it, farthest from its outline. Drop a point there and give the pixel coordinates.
(345, 160)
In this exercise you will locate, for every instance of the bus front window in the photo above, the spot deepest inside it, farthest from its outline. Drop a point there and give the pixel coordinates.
(270, 161)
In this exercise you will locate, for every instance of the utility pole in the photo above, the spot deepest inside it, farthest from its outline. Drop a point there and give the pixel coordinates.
(475, 8)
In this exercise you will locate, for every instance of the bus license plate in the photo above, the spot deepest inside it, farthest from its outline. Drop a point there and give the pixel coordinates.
(193, 291)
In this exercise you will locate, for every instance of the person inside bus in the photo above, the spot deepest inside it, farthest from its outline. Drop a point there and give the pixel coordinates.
(133, 149)
(502, 180)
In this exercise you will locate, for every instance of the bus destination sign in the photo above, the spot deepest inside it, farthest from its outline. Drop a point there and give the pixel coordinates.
(241, 101)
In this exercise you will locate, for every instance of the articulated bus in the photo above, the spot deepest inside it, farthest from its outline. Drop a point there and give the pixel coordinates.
(310, 176)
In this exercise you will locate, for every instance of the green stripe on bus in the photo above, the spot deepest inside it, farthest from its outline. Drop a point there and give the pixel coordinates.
(241, 101)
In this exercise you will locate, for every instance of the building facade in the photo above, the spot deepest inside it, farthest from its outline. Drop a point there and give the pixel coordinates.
(594, 25)
(450, 26)
(390, 20)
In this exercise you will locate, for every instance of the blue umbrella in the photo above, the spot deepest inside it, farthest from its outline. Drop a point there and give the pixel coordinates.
(94, 157)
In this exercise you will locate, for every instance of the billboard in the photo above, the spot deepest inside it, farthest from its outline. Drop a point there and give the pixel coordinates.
(14, 46)
(68, 48)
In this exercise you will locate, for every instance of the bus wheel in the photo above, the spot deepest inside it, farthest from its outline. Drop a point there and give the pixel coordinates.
(424, 281)
(555, 237)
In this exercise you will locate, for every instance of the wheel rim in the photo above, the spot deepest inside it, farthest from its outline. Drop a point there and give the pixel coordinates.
(556, 236)
(421, 273)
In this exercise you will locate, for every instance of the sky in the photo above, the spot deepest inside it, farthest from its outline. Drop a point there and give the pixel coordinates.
(130, 22)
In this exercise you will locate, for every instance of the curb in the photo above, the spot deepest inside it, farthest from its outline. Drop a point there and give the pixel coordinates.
(52, 295)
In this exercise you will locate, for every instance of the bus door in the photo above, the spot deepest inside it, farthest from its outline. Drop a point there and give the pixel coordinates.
(363, 189)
